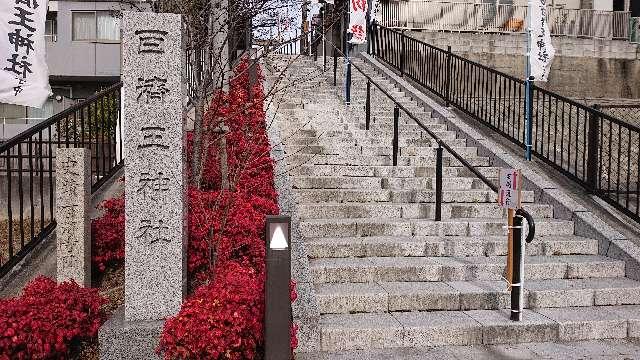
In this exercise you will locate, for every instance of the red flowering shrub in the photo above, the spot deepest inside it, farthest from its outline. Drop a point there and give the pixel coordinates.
(47, 319)
(224, 318)
(107, 232)
(221, 320)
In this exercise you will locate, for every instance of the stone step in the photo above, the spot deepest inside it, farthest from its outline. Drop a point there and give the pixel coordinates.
(413, 211)
(381, 125)
(295, 159)
(474, 327)
(336, 141)
(383, 297)
(423, 227)
(388, 171)
(331, 132)
(431, 269)
(466, 151)
(400, 196)
(362, 182)
(456, 246)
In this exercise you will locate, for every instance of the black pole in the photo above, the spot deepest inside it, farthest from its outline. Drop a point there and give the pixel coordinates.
(402, 53)
(348, 89)
(277, 315)
(448, 84)
(324, 36)
(438, 216)
(367, 106)
(592, 151)
(396, 118)
(516, 281)
(368, 27)
(335, 68)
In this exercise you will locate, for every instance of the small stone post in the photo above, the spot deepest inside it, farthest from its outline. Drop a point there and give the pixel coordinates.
(73, 230)
(155, 226)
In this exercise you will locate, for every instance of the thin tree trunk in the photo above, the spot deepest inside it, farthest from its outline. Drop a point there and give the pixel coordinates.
(196, 166)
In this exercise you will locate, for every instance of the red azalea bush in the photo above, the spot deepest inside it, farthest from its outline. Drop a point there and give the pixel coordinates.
(107, 234)
(221, 320)
(47, 319)
(224, 317)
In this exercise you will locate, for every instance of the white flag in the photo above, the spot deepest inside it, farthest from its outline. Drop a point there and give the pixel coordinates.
(542, 51)
(358, 21)
(375, 9)
(24, 76)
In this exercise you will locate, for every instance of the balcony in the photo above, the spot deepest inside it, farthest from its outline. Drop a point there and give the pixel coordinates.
(492, 18)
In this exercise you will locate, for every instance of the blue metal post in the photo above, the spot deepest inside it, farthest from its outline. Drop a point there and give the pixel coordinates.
(347, 83)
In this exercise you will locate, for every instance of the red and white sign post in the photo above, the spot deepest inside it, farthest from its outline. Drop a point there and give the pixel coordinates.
(510, 198)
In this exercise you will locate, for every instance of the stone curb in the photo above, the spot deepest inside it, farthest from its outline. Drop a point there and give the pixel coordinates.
(306, 312)
(611, 242)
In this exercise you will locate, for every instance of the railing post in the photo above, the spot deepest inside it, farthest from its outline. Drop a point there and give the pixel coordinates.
(438, 216)
(516, 280)
(592, 151)
(335, 68)
(528, 124)
(448, 82)
(348, 79)
(367, 106)
(402, 52)
(374, 36)
(396, 119)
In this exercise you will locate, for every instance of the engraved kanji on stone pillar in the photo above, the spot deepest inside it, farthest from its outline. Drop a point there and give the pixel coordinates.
(73, 229)
(155, 226)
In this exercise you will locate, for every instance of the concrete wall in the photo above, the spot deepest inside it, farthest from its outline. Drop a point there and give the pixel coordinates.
(583, 68)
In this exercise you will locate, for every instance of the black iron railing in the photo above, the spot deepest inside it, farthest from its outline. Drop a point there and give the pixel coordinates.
(595, 149)
(27, 169)
(629, 113)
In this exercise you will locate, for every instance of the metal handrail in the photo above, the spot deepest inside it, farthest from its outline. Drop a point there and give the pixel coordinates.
(57, 117)
(435, 137)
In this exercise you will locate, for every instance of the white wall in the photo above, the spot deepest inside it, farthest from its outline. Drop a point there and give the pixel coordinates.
(603, 5)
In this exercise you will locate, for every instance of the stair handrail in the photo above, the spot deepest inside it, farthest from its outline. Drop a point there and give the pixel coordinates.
(435, 137)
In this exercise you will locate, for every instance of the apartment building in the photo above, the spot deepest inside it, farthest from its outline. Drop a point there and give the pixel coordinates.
(83, 55)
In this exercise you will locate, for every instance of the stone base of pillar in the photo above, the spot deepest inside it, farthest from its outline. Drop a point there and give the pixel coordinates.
(129, 340)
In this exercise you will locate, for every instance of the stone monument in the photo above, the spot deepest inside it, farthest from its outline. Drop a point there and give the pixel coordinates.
(155, 227)
(155, 208)
(73, 230)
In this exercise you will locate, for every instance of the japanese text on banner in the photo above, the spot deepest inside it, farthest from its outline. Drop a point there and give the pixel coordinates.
(542, 51)
(358, 21)
(24, 76)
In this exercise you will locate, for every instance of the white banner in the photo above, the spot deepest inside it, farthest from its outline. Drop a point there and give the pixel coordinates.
(358, 21)
(24, 76)
(375, 10)
(542, 51)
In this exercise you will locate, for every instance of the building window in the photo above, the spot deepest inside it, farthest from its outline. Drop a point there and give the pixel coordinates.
(95, 26)
(51, 27)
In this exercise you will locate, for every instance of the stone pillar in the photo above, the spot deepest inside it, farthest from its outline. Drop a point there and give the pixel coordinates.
(73, 229)
(155, 227)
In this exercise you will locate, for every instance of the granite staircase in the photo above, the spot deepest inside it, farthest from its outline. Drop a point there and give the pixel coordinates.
(386, 275)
